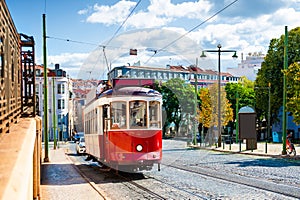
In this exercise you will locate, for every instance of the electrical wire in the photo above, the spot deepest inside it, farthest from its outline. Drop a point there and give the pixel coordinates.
(114, 35)
(155, 51)
(206, 20)
(74, 41)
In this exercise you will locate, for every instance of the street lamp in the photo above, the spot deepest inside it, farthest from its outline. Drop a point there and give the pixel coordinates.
(219, 78)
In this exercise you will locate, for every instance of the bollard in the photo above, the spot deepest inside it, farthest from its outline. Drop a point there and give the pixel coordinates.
(223, 144)
(37, 160)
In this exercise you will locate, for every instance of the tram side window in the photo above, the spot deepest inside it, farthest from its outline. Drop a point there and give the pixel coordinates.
(137, 114)
(154, 111)
(118, 114)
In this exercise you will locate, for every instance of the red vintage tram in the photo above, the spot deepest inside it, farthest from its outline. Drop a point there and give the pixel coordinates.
(123, 128)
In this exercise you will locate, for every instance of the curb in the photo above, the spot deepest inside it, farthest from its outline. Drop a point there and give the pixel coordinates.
(297, 157)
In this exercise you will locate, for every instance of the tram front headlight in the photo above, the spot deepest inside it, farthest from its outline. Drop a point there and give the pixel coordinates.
(139, 147)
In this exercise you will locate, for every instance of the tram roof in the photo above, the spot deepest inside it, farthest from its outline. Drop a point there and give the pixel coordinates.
(130, 91)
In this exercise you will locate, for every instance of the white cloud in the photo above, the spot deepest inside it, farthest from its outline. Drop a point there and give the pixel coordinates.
(247, 35)
(158, 13)
(109, 15)
(193, 10)
(244, 34)
(70, 62)
(83, 11)
(287, 16)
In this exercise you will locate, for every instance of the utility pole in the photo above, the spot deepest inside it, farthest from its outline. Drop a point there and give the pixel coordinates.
(46, 159)
(54, 112)
(195, 109)
(285, 66)
(237, 117)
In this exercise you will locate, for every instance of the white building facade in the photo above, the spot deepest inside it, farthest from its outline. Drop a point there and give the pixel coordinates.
(192, 74)
(60, 109)
(248, 67)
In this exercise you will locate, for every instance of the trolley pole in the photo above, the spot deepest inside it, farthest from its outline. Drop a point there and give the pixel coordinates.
(46, 159)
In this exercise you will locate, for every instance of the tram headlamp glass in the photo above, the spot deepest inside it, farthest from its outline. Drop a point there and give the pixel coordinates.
(139, 147)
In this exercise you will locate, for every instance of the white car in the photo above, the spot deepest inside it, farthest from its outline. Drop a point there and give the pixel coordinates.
(80, 146)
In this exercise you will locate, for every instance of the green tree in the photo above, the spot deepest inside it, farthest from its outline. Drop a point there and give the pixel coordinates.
(178, 101)
(293, 93)
(271, 70)
(243, 90)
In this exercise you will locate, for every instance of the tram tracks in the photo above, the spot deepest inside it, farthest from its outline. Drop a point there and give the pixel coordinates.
(262, 184)
(150, 186)
(180, 192)
(138, 185)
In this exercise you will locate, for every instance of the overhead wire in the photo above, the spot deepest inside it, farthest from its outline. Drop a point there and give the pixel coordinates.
(114, 35)
(155, 51)
(74, 41)
(206, 20)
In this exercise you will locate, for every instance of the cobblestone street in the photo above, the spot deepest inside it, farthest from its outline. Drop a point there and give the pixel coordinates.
(185, 174)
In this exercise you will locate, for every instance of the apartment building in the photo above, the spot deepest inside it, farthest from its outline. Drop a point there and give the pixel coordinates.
(60, 104)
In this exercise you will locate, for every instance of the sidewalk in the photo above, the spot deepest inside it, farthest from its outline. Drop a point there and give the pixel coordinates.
(273, 149)
(61, 181)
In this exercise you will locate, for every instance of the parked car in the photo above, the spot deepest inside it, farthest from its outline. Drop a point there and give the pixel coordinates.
(77, 136)
(80, 146)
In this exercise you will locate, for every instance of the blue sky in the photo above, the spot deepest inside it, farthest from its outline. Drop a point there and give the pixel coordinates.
(78, 30)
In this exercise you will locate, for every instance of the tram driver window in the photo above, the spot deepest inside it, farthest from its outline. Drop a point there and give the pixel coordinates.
(154, 114)
(118, 114)
(137, 113)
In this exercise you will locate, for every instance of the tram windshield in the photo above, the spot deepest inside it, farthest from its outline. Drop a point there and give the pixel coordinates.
(137, 114)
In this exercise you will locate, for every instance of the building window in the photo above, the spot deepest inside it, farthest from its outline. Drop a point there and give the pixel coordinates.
(59, 121)
(37, 88)
(61, 104)
(153, 74)
(165, 76)
(60, 89)
(147, 75)
(159, 74)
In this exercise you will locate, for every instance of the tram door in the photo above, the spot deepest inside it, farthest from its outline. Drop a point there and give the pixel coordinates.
(105, 146)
